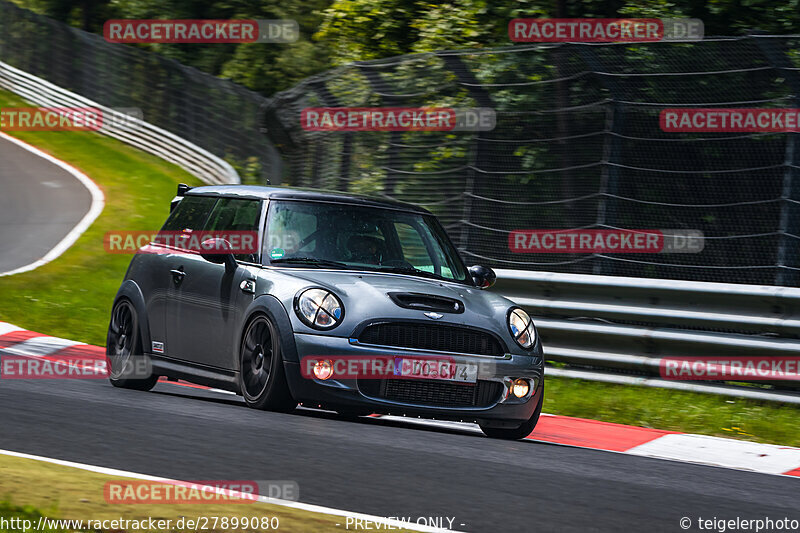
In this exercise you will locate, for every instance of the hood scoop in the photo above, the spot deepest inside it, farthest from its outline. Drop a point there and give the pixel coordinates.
(426, 302)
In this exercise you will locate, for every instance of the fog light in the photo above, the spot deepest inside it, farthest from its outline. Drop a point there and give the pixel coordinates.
(323, 370)
(520, 388)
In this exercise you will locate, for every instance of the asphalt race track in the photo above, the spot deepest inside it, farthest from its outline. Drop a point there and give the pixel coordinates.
(39, 204)
(374, 466)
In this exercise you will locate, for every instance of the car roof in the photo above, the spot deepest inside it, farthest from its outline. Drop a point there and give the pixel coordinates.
(311, 195)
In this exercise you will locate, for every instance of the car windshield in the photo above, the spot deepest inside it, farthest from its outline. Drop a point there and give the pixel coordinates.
(331, 235)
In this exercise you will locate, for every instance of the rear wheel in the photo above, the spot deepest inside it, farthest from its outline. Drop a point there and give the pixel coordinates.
(262, 379)
(525, 429)
(128, 367)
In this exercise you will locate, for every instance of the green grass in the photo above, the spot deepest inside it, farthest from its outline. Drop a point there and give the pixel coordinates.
(71, 297)
(16, 518)
(30, 489)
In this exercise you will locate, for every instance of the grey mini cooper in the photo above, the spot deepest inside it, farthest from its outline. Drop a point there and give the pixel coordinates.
(331, 279)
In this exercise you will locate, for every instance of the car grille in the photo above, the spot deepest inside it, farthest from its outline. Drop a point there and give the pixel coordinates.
(441, 338)
(433, 393)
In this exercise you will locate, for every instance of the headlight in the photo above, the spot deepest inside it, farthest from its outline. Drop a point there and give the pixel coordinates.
(319, 309)
(521, 327)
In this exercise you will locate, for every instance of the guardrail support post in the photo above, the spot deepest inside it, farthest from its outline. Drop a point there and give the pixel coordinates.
(790, 192)
(612, 146)
(480, 151)
(343, 175)
(382, 89)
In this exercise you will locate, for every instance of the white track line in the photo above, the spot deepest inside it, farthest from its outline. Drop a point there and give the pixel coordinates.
(397, 524)
(718, 451)
(98, 202)
(6, 328)
(40, 346)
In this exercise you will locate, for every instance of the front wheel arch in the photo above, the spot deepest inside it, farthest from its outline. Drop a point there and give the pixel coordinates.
(274, 394)
(130, 290)
(134, 375)
(273, 309)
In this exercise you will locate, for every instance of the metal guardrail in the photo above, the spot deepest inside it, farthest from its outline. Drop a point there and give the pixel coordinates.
(130, 130)
(618, 329)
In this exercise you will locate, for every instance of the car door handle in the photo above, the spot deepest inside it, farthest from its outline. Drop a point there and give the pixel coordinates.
(177, 273)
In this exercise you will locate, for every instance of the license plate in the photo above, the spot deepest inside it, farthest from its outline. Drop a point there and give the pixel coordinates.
(435, 369)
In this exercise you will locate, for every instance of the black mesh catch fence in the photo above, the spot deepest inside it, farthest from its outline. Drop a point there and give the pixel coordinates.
(577, 145)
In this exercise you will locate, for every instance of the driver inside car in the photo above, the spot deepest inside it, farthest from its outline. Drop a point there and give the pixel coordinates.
(365, 249)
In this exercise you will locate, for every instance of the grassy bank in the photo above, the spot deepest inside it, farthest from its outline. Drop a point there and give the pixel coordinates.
(30, 489)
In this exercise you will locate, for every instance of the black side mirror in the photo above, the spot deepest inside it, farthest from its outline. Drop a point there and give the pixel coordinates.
(218, 251)
(182, 190)
(483, 277)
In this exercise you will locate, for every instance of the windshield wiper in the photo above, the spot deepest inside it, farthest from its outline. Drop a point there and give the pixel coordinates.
(413, 270)
(321, 263)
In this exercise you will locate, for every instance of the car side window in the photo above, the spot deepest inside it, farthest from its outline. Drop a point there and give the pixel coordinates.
(190, 213)
(440, 259)
(239, 215)
(288, 228)
(413, 247)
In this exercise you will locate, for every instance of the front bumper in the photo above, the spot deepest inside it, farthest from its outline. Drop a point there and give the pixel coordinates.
(503, 410)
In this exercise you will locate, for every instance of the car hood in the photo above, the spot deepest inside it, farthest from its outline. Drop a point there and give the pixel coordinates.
(364, 295)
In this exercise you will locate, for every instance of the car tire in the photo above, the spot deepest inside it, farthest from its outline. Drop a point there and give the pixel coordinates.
(124, 347)
(525, 429)
(262, 379)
